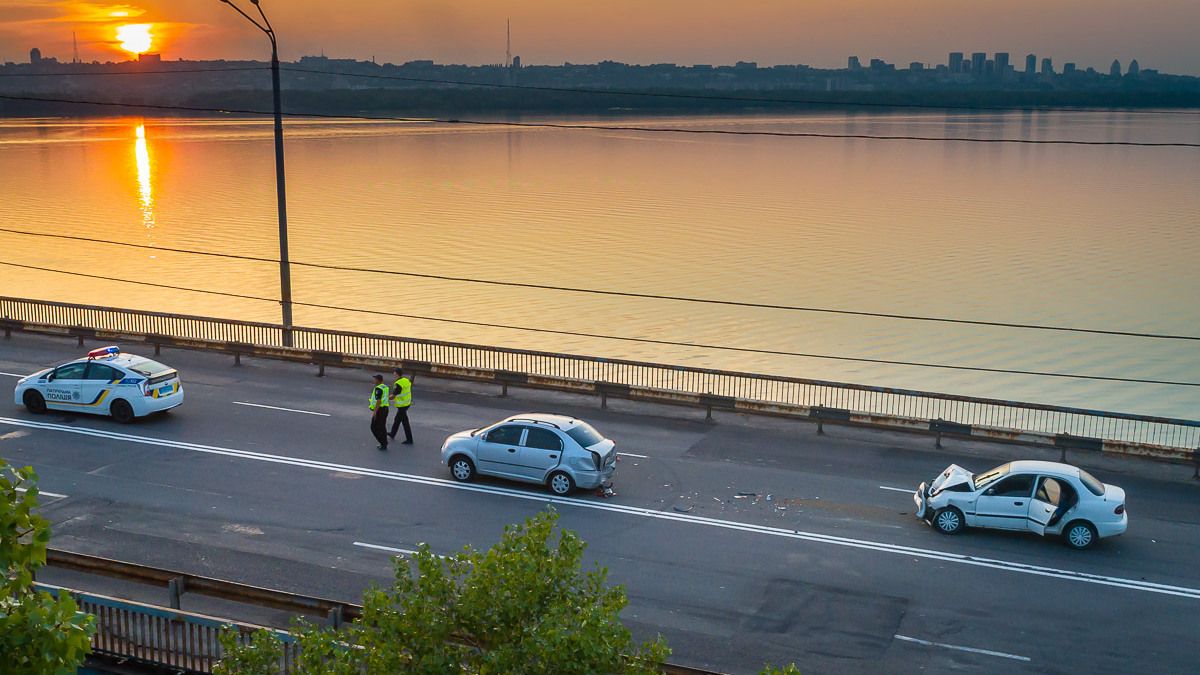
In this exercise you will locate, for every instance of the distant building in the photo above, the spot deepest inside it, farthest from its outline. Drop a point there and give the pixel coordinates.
(916, 66)
(1001, 63)
(1115, 69)
(1047, 66)
(955, 63)
(746, 65)
(516, 62)
(1030, 64)
(1068, 68)
(880, 64)
(35, 56)
(853, 63)
(978, 63)
(149, 58)
(1134, 69)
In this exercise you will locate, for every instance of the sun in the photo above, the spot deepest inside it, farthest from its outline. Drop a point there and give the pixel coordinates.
(135, 37)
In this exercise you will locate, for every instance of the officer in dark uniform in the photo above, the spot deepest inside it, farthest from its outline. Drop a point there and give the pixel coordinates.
(379, 411)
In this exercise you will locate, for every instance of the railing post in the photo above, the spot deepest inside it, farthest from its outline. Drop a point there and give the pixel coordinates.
(603, 400)
(320, 370)
(157, 349)
(938, 441)
(237, 358)
(175, 588)
(1196, 462)
(334, 618)
(503, 389)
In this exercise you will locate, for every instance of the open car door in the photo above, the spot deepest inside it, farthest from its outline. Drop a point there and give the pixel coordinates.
(1045, 502)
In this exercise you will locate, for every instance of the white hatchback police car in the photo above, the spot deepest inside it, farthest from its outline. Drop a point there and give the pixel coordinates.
(105, 382)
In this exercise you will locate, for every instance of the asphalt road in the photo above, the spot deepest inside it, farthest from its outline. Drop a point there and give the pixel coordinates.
(744, 541)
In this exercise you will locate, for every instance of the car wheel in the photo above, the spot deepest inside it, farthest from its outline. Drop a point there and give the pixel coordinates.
(948, 521)
(560, 484)
(121, 411)
(1080, 535)
(462, 469)
(34, 402)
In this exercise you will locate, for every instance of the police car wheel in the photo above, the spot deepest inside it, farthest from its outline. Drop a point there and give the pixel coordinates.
(121, 411)
(34, 402)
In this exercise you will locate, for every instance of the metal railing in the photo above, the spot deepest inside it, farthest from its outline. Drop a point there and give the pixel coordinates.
(834, 401)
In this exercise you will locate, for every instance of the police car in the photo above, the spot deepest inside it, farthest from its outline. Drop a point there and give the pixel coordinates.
(105, 382)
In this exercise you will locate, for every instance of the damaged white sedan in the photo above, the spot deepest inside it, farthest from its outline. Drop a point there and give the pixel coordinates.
(1045, 498)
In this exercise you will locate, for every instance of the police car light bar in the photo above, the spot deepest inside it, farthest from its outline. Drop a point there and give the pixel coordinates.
(104, 352)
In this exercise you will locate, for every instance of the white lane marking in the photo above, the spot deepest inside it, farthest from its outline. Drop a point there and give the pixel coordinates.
(390, 549)
(907, 490)
(13, 374)
(630, 454)
(19, 433)
(910, 551)
(44, 493)
(973, 650)
(275, 407)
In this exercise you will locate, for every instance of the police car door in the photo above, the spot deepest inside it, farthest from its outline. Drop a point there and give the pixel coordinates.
(63, 389)
(97, 385)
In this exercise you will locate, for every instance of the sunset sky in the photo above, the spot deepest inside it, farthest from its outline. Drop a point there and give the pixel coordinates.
(1159, 33)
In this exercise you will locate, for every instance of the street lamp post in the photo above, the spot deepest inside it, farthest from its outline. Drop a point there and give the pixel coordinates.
(285, 272)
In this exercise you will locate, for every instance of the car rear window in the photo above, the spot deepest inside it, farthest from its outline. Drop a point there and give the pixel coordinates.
(584, 434)
(148, 367)
(1089, 481)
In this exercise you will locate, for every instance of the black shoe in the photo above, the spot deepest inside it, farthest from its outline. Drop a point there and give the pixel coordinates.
(381, 447)
(392, 436)
(409, 442)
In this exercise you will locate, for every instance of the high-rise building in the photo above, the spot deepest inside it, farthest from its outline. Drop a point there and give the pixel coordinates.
(1047, 66)
(1115, 69)
(1134, 69)
(1030, 64)
(853, 63)
(978, 63)
(1001, 63)
(1068, 68)
(956, 62)
(916, 66)
(35, 56)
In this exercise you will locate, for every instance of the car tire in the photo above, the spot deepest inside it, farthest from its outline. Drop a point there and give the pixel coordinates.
(34, 402)
(462, 469)
(949, 521)
(121, 411)
(560, 483)
(1079, 535)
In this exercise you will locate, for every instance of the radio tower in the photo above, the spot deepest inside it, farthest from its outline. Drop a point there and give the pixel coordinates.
(74, 48)
(508, 43)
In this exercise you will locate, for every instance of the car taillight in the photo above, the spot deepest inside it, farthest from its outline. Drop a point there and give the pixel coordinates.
(1120, 509)
(147, 390)
(596, 459)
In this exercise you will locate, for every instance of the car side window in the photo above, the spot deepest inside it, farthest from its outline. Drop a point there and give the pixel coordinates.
(1049, 491)
(71, 371)
(509, 434)
(1019, 485)
(543, 439)
(99, 371)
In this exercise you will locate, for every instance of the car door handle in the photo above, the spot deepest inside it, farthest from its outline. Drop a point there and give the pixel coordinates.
(553, 456)
(1018, 503)
(512, 449)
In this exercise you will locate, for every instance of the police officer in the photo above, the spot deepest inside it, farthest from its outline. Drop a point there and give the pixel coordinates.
(401, 401)
(379, 412)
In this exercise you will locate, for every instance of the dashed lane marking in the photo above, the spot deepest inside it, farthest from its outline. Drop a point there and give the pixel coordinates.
(13, 374)
(390, 549)
(275, 407)
(630, 454)
(815, 537)
(960, 648)
(907, 490)
(53, 495)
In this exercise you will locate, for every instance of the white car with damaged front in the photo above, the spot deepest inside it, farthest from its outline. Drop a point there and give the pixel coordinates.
(1046, 498)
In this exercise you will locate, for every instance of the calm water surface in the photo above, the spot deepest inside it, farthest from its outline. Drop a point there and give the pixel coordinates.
(1104, 237)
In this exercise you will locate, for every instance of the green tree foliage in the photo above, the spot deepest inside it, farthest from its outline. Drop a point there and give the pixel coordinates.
(789, 669)
(523, 606)
(39, 634)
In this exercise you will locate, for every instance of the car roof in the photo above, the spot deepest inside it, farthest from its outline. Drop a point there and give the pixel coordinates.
(123, 360)
(562, 422)
(1038, 466)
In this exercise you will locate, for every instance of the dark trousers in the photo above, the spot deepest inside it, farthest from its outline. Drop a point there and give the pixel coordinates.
(379, 425)
(402, 418)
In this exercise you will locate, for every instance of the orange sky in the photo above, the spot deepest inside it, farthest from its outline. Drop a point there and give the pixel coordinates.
(1159, 33)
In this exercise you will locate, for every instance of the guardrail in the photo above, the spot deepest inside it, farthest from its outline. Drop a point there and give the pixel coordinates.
(177, 641)
(820, 401)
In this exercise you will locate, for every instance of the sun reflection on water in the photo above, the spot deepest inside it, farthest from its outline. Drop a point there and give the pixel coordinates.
(141, 153)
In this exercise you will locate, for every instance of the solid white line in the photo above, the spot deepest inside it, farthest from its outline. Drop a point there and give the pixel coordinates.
(909, 551)
(43, 492)
(908, 490)
(275, 407)
(389, 549)
(630, 454)
(13, 374)
(973, 650)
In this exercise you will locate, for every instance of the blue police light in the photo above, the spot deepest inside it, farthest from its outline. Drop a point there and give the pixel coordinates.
(104, 352)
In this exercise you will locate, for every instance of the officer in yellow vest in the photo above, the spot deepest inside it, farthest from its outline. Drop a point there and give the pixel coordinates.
(379, 412)
(401, 401)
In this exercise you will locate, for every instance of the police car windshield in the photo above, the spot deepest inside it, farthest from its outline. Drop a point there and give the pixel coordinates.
(147, 367)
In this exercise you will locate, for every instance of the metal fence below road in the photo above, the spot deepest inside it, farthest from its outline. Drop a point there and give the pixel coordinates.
(751, 392)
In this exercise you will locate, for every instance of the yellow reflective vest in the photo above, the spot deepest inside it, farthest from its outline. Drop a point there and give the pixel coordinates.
(403, 391)
(379, 396)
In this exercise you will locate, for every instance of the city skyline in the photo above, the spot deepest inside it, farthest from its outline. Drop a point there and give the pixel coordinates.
(821, 34)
